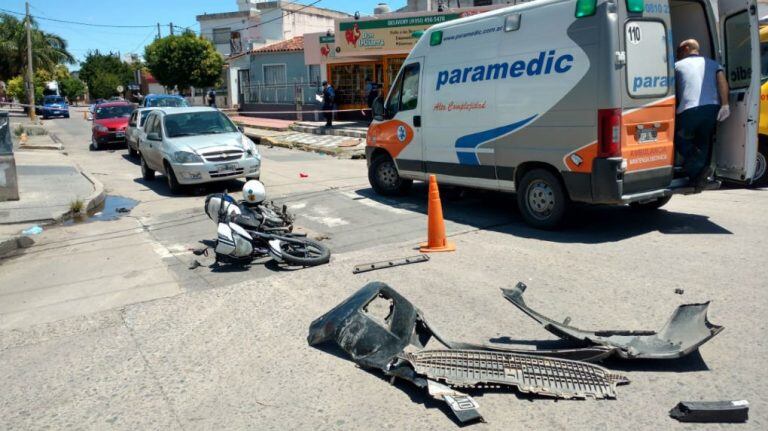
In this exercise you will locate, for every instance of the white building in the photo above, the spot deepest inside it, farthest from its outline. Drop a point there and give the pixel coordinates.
(255, 24)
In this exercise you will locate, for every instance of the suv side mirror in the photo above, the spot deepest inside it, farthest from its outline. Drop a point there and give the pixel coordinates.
(154, 136)
(377, 109)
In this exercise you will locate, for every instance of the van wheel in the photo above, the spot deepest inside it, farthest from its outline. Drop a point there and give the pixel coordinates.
(761, 168)
(652, 205)
(146, 172)
(173, 183)
(541, 199)
(384, 178)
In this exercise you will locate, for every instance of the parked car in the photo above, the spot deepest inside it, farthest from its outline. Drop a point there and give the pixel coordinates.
(164, 101)
(54, 106)
(109, 122)
(135, 130)
(195, 146)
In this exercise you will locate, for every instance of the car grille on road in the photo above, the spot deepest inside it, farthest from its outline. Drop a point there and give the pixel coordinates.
(217, 174)
(222, 156)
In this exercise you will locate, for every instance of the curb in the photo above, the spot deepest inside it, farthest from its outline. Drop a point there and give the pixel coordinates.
(95, 199)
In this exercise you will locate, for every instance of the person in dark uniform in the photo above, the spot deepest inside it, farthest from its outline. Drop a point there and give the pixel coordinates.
(329, 97)
(212, 98)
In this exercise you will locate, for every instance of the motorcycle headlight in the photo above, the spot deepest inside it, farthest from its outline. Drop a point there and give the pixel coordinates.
(100, 128)
(186, 157)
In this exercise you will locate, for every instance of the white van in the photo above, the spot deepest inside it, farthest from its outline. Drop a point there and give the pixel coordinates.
(564, 100)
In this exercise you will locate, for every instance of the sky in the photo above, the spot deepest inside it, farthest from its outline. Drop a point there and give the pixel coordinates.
(81, 39)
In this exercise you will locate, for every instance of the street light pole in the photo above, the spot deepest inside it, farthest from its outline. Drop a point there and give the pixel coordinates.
(30, 74)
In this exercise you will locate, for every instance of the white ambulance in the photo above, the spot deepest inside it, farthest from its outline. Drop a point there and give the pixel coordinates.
(564, 100)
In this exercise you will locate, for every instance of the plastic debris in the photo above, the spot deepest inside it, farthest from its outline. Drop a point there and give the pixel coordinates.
(711, 411)
(303, 175)
(33, 230)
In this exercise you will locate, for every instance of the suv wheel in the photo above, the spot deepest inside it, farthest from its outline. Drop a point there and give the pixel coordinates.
(761, 167)
(541, 199)
(384, 178)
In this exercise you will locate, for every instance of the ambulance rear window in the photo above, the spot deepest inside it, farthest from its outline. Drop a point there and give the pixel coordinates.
(647, 56)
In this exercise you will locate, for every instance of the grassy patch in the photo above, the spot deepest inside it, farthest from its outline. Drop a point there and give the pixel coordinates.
(76, 206)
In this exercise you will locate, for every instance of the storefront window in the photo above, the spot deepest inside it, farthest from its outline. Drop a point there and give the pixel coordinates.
(349, 82)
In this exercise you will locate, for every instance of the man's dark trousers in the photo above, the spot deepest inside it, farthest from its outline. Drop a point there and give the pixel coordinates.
(694, 129)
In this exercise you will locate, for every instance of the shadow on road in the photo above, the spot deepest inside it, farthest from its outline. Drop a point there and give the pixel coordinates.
(587, 224)
(160, 186)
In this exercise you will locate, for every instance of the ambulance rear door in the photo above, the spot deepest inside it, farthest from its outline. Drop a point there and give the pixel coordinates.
(736, 143)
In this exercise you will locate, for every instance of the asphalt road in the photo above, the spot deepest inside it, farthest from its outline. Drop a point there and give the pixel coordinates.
(106, 327)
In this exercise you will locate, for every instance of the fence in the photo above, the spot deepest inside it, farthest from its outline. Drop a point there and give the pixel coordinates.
(289, 94)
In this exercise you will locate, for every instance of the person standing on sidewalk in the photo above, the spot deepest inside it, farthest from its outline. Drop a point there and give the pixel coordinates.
(212, 98)
(329, 97)
(702, 101)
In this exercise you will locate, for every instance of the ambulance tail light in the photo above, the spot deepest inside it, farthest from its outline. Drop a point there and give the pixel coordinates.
(609, 133)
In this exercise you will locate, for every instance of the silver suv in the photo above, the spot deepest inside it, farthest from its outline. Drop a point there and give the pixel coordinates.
(195, 146)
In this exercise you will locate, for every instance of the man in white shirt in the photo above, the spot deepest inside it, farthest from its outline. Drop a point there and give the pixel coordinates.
(702, 101)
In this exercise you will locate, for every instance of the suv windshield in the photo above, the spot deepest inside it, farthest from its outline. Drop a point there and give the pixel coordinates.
(53, 99)
(197, 123)
(114, 111)
(167, 102)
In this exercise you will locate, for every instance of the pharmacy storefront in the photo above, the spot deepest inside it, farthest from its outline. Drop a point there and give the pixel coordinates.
(373, 48)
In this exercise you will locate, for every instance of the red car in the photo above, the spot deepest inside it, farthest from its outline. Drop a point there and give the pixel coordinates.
(109, 123)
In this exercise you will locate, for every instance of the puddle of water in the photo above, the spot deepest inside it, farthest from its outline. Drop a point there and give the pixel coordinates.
(113, 208)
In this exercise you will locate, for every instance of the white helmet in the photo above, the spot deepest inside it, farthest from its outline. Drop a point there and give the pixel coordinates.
(254, 192)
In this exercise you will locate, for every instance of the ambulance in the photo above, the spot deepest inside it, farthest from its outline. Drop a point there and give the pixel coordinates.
(564, 101)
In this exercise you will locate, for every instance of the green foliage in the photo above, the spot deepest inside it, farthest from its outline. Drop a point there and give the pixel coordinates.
(103, 73)
(104, 86)
(183, 61)
(48, 49)
(17, 90)
(72, 88)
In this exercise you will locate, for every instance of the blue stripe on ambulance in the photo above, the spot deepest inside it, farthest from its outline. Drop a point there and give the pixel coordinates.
(466, 146)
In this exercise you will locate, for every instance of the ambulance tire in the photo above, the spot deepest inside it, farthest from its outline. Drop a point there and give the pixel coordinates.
(761, 166)
(652, 205)
(542, 200)
(384, 178)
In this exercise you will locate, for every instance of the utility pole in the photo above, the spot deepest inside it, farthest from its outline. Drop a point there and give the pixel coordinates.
(170, 26)
(30, 73)
(158, 31)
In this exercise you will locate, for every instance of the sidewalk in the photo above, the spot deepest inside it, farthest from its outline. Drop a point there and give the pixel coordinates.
(339, 146)
(48, 184)
(261, 123)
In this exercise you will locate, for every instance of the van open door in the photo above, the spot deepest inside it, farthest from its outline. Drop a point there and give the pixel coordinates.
(736, 143)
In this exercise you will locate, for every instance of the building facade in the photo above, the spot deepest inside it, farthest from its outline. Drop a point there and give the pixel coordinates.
(254, 25)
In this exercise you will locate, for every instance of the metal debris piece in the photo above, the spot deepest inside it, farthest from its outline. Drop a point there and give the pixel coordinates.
(554, 377)
(711, 411)
(686, 330)
(377, 344)
(389, 263)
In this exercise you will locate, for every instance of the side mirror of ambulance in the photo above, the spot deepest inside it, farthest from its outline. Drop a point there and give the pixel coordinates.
(378, 109)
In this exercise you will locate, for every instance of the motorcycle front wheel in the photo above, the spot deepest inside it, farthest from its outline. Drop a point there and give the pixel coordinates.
(304, 252)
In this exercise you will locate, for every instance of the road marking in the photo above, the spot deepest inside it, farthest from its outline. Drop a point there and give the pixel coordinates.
(393, 208)
(161, 250)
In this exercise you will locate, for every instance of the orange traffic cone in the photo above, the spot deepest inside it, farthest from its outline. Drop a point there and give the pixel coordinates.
(436, 227)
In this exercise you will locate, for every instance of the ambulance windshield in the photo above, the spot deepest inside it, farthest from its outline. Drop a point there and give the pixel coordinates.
(647, 58)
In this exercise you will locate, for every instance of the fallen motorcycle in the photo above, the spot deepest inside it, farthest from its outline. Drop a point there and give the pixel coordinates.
(249, 231)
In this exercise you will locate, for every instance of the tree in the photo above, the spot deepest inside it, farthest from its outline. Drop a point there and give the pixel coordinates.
(72, 88)
(48, 49)
(183, 61)
(17, 90)
(103, 73)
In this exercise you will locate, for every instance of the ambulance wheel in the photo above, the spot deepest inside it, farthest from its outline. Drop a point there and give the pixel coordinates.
(384, 178)
(541, 199)
(761, 167)
(652, 205)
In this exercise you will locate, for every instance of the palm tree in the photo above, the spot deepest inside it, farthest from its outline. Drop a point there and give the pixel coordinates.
(48, 49)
